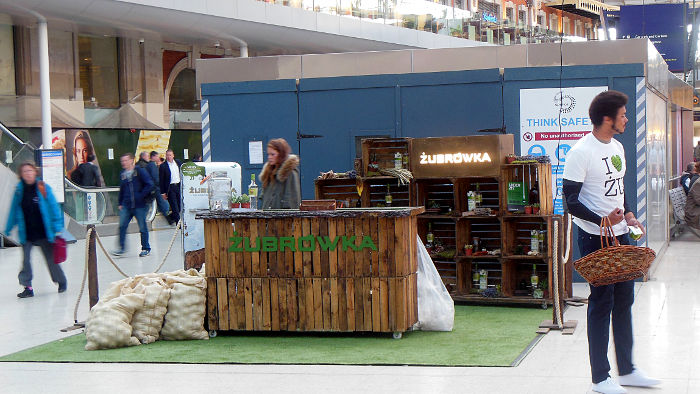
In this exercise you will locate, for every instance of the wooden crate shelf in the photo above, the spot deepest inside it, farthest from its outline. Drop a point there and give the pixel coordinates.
(383, 151)
(504, 230)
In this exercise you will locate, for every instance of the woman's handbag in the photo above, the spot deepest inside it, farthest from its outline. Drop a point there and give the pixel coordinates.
(614, 263)
(59, 250)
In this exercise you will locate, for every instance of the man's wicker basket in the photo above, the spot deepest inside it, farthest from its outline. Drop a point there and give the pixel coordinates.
(614, 263)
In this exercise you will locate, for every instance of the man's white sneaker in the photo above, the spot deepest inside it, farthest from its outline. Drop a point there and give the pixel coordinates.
(608, 386)
(638, 378)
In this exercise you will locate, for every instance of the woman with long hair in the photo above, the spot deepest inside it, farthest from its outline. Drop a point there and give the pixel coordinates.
(280, 177)
(82, 148)
(39, 220)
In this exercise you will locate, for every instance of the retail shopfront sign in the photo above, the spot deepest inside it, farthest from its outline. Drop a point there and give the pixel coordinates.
(307, 243)
(459, 156)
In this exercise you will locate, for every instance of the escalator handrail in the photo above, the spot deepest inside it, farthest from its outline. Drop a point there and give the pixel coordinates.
(12, 135)
(90, 189)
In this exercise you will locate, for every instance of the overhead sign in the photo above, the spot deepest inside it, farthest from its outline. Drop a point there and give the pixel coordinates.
(544, 132)
(439, 157)
(663, 25)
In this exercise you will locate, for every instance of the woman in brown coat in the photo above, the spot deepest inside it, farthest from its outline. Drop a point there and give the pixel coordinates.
(692, 204)
(280, 177)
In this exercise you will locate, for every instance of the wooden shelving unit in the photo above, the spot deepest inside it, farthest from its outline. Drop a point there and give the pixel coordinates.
(508, 230)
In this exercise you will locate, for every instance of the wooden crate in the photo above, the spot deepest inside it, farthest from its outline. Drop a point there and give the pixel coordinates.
(342, 190)
(538, 174)
(384, 149)
(304, 288)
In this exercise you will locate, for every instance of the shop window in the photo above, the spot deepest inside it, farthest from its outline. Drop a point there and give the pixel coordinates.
(509, 14)
(522, 19)
(99, 73)
(539, 20)
(183, 95)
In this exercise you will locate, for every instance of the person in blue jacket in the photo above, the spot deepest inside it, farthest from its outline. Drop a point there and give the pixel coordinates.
(134, 186)
(34, 200)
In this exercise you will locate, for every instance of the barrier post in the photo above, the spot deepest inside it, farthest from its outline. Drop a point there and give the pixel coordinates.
(92, 268)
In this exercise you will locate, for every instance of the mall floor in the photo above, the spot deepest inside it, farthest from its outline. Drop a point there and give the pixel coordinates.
(666, 327)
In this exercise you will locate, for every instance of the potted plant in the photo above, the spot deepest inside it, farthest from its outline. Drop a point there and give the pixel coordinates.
(510, 158)
(236, 202)
(244, 200)
(543, 285)
(536, 209)
(528, 209)
(468, 249)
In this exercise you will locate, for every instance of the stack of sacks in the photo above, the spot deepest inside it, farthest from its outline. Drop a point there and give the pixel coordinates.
(133, 310)
(187, 306)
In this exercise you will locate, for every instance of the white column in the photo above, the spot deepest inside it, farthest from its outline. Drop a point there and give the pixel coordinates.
(44, 83)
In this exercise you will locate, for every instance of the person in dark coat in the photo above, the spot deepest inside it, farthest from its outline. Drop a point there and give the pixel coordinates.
(689, 177)
(152, 169)
(280, 177)
(135, 185)
(39, 220)
(692, 204)
(169, 178)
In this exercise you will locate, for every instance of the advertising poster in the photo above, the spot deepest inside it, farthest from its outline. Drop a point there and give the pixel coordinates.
(77, 146)
(542, 133)
(153, 140)
(195, 196)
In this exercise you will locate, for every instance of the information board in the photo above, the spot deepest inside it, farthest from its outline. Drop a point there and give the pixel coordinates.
(52, 171)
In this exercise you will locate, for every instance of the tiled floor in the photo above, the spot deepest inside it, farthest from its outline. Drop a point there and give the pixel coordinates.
(666, 321)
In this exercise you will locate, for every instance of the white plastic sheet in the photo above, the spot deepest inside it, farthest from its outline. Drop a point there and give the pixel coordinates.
(436, 310)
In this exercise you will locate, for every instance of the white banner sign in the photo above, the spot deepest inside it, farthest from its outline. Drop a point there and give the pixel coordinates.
(91, 207)
(52, 172)
(195, 196)
(546, 131)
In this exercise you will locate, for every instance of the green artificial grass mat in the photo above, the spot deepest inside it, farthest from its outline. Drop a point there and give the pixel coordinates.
(482, 336)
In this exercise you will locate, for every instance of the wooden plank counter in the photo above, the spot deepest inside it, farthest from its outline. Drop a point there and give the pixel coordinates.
(290, 270)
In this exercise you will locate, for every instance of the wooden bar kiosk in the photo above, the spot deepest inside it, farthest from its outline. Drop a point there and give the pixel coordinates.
(290, 270)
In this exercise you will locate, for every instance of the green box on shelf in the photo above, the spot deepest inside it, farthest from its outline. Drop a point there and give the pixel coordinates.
(517, 196)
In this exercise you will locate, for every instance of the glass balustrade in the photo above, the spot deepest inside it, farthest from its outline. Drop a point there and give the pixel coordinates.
(85, 205)
(434, 17)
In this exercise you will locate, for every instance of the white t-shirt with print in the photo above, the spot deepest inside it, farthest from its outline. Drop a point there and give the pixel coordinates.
(601, 168)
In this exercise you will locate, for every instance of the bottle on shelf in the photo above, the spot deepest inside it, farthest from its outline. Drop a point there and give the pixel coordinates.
(429, 238)
(475, 276)
(398, 160)
(404, 160)
(478, 198)
(388, 199)
(253, 192)
(535, 241)
(540, 238)
(534, 279)
(471, 201)
(483, 279)
(534, 195)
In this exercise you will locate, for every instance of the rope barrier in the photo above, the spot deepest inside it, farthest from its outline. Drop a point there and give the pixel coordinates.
(104, 250)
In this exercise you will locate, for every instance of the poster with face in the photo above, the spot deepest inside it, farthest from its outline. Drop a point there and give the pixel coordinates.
(77, 146)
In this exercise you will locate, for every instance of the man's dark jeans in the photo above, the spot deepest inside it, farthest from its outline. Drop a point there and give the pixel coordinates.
(604, 301)
(125, 215)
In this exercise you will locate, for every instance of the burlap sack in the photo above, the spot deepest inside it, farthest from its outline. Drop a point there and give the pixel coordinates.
(186, 307)
(108, 325)
(148, 320)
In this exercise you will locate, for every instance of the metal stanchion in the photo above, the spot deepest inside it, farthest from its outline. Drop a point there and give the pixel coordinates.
(93, 289)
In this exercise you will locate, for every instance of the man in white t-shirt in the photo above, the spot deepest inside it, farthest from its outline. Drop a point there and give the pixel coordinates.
(593, 187)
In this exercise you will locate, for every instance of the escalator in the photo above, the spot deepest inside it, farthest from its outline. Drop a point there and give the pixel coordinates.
(103, 212)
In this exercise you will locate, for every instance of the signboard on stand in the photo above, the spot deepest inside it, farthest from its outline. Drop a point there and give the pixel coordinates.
(195, 196)
(51, 163)
(439, 157)
(551, 121)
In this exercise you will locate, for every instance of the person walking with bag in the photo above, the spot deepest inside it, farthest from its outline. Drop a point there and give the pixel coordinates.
(39, 220)
(593, 187)
(135, 185)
